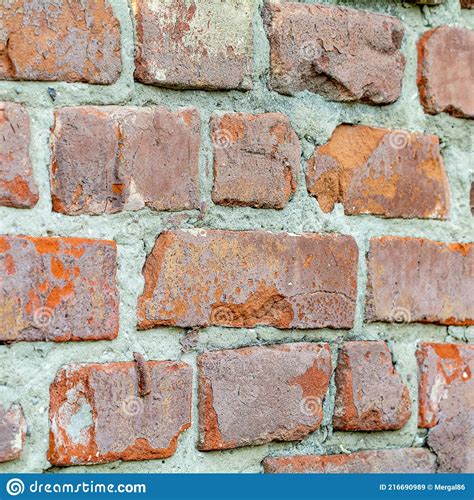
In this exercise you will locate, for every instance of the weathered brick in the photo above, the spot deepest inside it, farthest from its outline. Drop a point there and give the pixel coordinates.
(109, 159)
(371, 395)
(342, 54)
(391, 173)
(256, 160)
(255, 395)
(446, 403)
(57, 289)
(194, 44)
(446, 71)
(404, 460)
(441, 367)
(12, 433)
(248, 278)
(97, 413)
(418, 280)
(17, 186)
(60, 40)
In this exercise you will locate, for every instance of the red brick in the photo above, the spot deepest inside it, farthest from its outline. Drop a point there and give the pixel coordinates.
(446, 403)
(60, 40)
(256, 160)
(404, 460)
(109, 159)
(255, 395)
(342, 54)
(97, 414)
(445, 71)
(248, 278)
(418, 280)
(194, 44)
(441, 366)
(391, 173)
(371, 395)
(57, 289)
(12, 433)
(17, 186)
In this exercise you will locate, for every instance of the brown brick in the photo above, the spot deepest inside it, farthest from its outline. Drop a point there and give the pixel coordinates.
(255, 395)
(98, 415)
(256, 160)
(17, 186)
(342, 54)
(371, 395)
(60, 40)
(12, 433)
(404, 460)
(194, 44)
(446, 71)
(248, 278)
(467, 4)
(446, 403)
(109, 159)
(57, 289)
(418, 280)
(391, 173)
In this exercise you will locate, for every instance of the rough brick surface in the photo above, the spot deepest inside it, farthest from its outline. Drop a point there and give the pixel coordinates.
(418, 280)
(255, 395)
(98, 415)
(256, 160)
(109, 159)
(404, 460)
(60, 40)
(57, 289)
(194, 44)
(12, 432)
(370, 394)
(342, 54)
(446, 403)
(17, 186)
(248, 278)
(445, 71)
(376, 171)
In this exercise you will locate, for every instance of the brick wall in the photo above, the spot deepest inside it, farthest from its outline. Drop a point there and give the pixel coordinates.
(236, 236)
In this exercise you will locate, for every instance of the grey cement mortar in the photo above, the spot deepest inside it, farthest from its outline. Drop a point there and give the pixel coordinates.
(27, 369)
